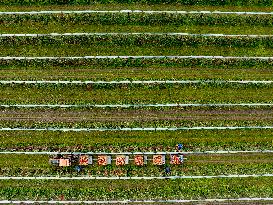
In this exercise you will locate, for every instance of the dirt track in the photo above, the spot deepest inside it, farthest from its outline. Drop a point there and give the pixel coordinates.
(117, 115)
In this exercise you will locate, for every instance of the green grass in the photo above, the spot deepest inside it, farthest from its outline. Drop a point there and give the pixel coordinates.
(37, 27)
(8, 161)
(137, 189)
(118, 141)
(126, 94)
(134, 73)
(96, 50)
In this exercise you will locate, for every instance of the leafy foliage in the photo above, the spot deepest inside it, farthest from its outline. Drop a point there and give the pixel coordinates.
(142, 19)
(140, 39)
(140, 62)
(183, 2)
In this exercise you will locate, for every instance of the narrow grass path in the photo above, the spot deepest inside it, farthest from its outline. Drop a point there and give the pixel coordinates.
(117, 141)
(135, 189)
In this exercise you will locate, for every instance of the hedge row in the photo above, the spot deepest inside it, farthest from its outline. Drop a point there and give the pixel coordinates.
(126, 123)
(130, 62)
(141, 19)
(141, 39)
(140, 86)
(182, 2)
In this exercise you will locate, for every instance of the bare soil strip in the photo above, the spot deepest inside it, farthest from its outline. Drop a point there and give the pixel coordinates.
(120, 115)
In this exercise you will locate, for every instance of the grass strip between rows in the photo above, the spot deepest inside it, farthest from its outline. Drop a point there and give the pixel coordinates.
(118, 141)
(134, 73)
(137, 189)
(130, 94)
(147, 49)
(69, 27)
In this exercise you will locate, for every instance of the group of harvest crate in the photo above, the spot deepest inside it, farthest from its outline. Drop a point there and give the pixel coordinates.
(121, 159)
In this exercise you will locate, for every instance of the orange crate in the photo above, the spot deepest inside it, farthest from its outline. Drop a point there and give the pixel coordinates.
(122, 160)
(64, 163)
(139, 160)
(104, 160)
(159, 159)
(84, 160)
(176, 159)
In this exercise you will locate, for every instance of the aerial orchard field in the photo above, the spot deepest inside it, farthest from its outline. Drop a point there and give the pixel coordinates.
(151, 101)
